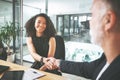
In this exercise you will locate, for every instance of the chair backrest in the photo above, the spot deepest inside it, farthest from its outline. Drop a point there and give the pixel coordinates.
(60, 48)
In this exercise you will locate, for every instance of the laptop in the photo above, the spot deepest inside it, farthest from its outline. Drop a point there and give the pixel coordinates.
(29, 74)
(13, 75)
(3, 68)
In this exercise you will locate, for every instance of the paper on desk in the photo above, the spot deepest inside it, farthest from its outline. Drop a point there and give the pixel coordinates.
(32, 74)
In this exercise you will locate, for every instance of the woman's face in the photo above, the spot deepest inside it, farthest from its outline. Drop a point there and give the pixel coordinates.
(40, 24)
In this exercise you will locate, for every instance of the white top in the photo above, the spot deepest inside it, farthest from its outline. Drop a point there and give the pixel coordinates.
(102, 71)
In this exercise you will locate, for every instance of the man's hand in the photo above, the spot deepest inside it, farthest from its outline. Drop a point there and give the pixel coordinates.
(52, 63)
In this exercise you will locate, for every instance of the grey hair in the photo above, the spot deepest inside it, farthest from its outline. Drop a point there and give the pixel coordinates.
(114, 5)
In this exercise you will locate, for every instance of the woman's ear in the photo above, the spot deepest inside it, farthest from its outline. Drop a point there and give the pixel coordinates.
(110, 20)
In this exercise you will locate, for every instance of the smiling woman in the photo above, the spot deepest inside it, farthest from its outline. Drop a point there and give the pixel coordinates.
(41, 41)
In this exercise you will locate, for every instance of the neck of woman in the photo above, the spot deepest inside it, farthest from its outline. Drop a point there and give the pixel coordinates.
(39, 34)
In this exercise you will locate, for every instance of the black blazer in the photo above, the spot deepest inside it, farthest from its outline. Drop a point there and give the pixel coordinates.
(91, 70)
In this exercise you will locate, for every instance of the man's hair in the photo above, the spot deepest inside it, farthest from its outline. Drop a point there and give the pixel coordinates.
(115, 6)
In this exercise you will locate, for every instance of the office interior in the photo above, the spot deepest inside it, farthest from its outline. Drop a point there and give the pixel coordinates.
(71, 20)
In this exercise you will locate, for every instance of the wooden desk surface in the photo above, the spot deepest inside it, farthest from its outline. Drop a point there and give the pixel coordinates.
(49, 76)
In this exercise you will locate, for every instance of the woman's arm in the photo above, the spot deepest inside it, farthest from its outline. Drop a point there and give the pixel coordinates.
(31, 48)
(51, 52)
(36, 56)
(52, 47)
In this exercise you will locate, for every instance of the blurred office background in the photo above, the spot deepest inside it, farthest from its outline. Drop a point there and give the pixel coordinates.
(71, 20)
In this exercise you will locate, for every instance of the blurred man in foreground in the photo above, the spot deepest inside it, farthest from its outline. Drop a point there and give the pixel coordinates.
(105, 32)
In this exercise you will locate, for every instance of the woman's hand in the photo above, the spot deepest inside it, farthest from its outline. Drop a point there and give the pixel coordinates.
(47, 64)
(44, 60)
(43, 68)
(52, 63)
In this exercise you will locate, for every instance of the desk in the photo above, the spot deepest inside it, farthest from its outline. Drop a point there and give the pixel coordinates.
(49, 76)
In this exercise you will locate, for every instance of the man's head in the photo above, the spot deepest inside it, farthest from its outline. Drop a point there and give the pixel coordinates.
(105, 20)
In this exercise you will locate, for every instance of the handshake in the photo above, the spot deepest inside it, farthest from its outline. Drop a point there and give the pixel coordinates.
(50, 64)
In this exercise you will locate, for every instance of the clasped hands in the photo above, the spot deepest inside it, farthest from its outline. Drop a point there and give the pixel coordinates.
(50, 64)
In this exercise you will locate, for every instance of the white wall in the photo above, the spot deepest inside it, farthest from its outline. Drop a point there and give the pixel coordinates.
(62, 6)
(69, 6)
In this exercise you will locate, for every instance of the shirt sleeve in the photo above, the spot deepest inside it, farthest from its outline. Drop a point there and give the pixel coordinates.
(84, 69)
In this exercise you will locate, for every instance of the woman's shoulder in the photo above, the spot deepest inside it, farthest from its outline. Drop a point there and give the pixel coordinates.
(28, 38)
(52, 38)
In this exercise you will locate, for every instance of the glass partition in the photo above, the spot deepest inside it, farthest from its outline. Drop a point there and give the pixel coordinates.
(10, 17)
(5, 12)
(74, 27)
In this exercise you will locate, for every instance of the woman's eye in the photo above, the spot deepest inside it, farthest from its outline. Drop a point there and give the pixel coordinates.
(38, 21)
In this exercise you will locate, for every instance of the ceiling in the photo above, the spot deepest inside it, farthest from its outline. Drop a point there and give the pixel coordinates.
(37, 2)
(59, 6)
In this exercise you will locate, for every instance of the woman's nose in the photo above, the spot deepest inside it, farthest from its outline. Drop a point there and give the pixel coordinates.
(41, 24)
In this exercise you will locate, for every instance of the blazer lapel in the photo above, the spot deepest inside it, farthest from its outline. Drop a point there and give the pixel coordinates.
(113, 71)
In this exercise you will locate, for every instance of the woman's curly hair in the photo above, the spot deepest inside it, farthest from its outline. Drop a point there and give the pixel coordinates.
(30, 26)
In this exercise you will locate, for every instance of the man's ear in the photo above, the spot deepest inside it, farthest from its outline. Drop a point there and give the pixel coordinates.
(110, 20)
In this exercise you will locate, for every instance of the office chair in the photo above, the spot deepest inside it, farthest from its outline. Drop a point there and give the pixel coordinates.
(60, 48)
